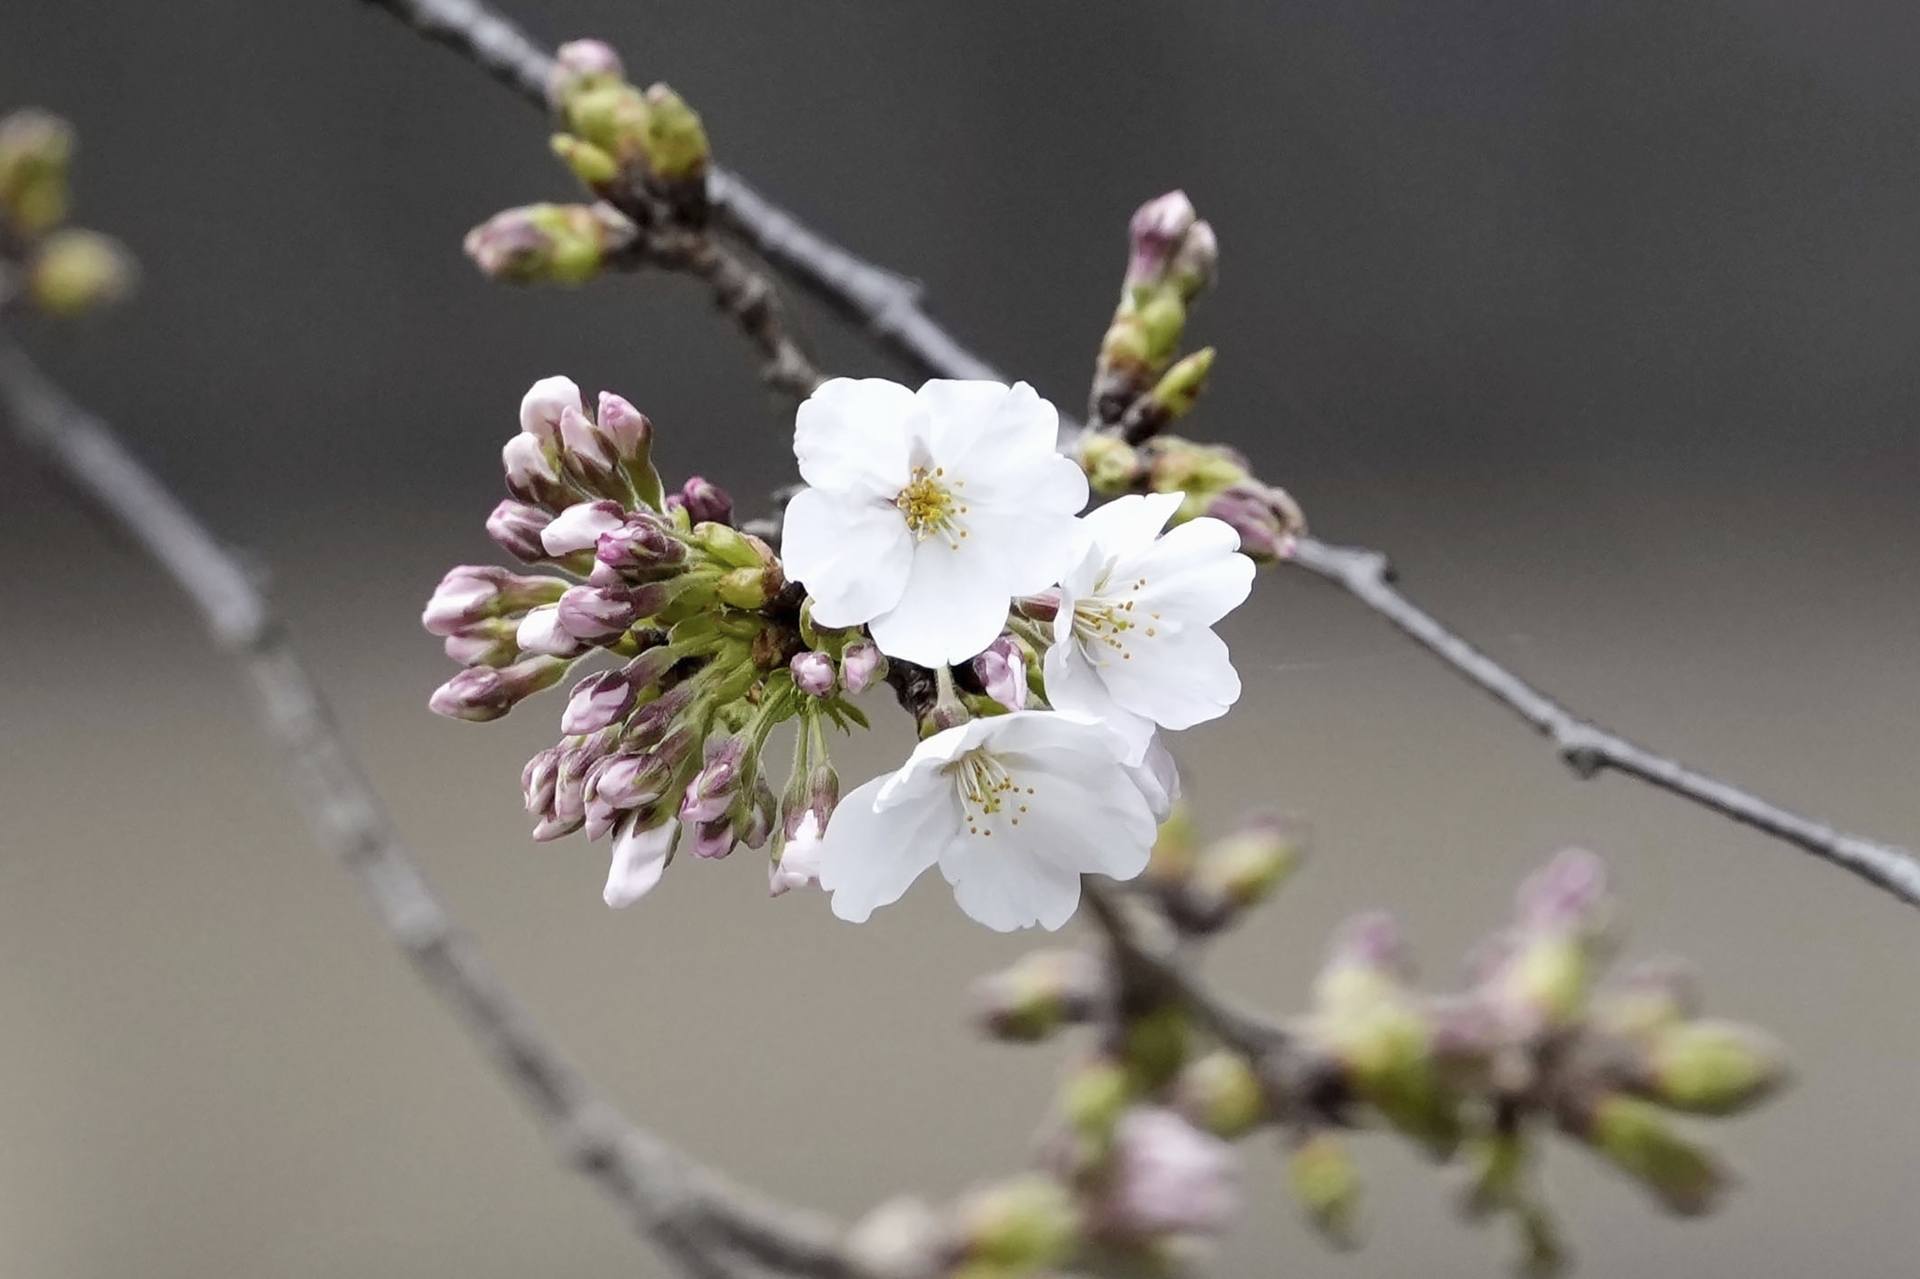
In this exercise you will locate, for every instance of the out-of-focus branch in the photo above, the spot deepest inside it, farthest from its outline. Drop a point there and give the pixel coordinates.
(708, 1226)
(888, 307)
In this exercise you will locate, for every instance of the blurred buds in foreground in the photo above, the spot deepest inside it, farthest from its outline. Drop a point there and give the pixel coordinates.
(550, 243)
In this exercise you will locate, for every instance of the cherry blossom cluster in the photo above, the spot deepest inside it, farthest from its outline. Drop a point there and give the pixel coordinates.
(1137, 1164)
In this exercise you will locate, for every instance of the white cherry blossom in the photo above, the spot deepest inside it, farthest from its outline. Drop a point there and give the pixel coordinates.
(640, 857)
(1133, 645)
(1014, 809)
(927, 511)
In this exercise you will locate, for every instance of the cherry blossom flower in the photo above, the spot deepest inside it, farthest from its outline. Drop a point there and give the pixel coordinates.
(927, 511)
(640, 857)
(1133, 645)
(1014, 808)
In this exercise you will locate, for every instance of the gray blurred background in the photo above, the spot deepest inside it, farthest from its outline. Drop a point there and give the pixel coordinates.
(1601, 316)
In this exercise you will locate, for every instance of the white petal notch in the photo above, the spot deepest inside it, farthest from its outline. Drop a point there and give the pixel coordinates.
(926, 513)
(1013, 808)
(1133, 642)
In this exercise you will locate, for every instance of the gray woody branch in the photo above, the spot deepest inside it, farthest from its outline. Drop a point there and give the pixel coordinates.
(888, 308)
(709, 1227)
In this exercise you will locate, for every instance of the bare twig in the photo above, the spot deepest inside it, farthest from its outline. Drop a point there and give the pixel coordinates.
(750, 300)
(701, 1221)
(889, 308)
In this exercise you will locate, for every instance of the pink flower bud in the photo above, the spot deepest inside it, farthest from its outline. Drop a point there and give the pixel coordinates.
(578, 528)
(596, 702)
(860, 665)
(631, 780)
(706, 501)
(488, 643)
(515, 528)
(626, 427)
(578, 61)
(712, 789)
(472, 593)
(1002, 671)
(595, 613)
(543, 407)
(813, 674)
(1168, 1178)
(714, 839)
(1266, 518)
(640, 548)
(537, 779)
(484, 693)
(798, 863)
(540, 632)
(531, 474)
(1155, 231)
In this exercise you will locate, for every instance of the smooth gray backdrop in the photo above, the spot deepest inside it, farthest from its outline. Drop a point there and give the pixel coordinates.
(1603, 317)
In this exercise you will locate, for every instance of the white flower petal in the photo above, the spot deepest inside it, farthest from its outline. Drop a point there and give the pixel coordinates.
(1005, 890)
(1097, 822)
(639, 859)
(1128, 525)
(869, 858)
(852, 556)
(987, 428)
(1193, 574)
(851, 436)
(1032, 551)
(1187, 679)
(954, 605)
(1158, 778)
(1075, 687)
(545, 402)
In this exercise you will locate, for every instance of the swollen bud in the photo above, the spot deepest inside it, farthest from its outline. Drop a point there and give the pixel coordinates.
(1154, 233)
(1220, 1093)
(1041, 992)
(482, 693)
(861, 666)
(1713, 1067)
(1174, 394)
(579, 63)
(1111, 464)
(36, 151)
(1267, 519)
(1022, 1225)
(549, 243)
(74, 271)
(1323, 1178)
(1239, 872)
(1196, 262)
(1637, 1139)
(813, 674)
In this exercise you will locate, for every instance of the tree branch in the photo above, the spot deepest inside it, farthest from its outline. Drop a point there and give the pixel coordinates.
(691, 1213)
(888, 307)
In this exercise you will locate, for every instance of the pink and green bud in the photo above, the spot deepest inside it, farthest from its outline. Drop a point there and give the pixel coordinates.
(549, 243)
(472, 593)
(515, 527)
(537, 781)
(641, 548)
(1266, 518)
(1637, 1139)
(1196, 262)
(1018, 1227)
(1154, 233)
(1043, 991)
(1712, 1067)
(484, 693)
(813, 673)
(488, 643)
(1326, 1183)
(710, 794)
(595, 614)
(582, 62)
(1236, 873)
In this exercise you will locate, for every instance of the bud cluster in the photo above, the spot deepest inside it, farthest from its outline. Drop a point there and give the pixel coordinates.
(709, 651)
(1216, 480)
(61, 270)
(1139, 385)
(623, 142)
(1536, 1044)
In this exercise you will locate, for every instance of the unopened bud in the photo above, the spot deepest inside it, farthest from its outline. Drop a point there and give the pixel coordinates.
(549, 243)
(515, 528)
(596, 702)
(1002, 672)
(706, 502)
(76, 271)
(1713, 1067)
(581, 62)
(483, 693)
(1637, 1139)
(640, 856)
(1154, 232)
(750, 588)
(540, 632)
(531, 474)
(1240, 871)
(1174, 394)
(471, 593)
(1196, 262)
(487, 643)
(1168, 1178)
(1647, 999)
(596, 614)
(813, 673)
(36, 150)
(861, 665)
(1322, 1175)
(1267, 519)
(1041, 992)
(545, 404)
(1220, 1093)
(1155, 1044)
(1111, 464)
(1022, 1225)
(596, 170)
(578, 527)
(676, 141)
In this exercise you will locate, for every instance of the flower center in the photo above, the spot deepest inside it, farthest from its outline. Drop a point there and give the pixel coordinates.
(1108, 618)
(931, 505)
(987, 789)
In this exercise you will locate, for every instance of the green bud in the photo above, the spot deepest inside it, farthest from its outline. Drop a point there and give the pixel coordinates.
(749, 588)
(36, 152)
(1220, 1093)
(594, 167)
(1156, 1045)
(1020, 1226)
(1646, 1000)
(1163, 318)
(1175, 393)
(1322, 1176)
(1125, 345)
(1549, 976)
(1636, 1138)
(76, 271)
(549, 243)
(1241, 871)
(676, 141)
(1198, 470)
(1041, 992)
(1111, 464)
(611, 115)
(1094, 1095)
(730, 546)
(1714, 1067)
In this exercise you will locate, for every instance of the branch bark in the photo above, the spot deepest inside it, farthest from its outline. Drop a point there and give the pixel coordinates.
(707, 1226)
(889, 308)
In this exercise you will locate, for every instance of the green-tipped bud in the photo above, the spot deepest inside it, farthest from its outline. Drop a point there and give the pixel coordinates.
(1094, 1095)
(1637, 1139)
(76, 271)
(1174, 394)
(1040, 993)
(1020, 1226)
(1713, 1067)
(36, 151)
(1220, 1093)
(582, 64)
(1156, 1044)
(1111, 464)
(594, 167)
(729, 546)
(549, 243)
(677, 149)
(1238, 872)
(1323, 1178)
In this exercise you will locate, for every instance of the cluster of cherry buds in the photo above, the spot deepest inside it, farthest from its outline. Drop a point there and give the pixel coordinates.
(1535, 1044)
(711, 649)
(59, 269)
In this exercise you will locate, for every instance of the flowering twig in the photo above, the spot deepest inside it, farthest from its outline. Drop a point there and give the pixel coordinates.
(696, 1217)
(888, 307)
